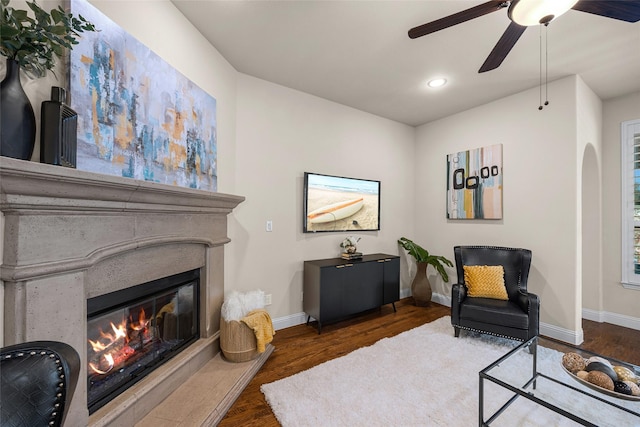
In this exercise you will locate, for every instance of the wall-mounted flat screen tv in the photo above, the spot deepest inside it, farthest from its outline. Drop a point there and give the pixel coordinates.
(337, 203)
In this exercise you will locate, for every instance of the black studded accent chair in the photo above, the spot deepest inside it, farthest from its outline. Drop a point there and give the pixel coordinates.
(37, 381)
(518, 317)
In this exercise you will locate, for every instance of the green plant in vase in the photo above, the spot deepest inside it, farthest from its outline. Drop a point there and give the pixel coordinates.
(420, 287)
(30, 43)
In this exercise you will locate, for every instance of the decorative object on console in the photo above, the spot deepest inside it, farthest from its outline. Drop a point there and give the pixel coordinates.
(349, 245)
(474, 183)
(58, 133)
(349, 256)
(139, 117)
(335, 203)
(31, 44)
(421, 287)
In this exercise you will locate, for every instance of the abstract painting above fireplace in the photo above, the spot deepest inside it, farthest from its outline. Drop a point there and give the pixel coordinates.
(138, 116)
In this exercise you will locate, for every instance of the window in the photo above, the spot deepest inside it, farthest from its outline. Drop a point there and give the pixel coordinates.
(630, 150)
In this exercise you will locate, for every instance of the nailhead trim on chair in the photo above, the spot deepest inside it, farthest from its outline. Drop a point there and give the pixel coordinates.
(60, 394)
(486, 332)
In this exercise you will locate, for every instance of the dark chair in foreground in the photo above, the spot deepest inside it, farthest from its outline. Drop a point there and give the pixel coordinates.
(491, 294)
(37, 382)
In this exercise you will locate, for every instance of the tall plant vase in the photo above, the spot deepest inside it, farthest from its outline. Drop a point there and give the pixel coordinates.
(17, 119)
(420, 287)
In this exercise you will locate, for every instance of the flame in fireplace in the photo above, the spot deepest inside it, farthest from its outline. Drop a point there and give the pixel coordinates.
(118, 333)
(109, 359)
(113, 348)
(142, 322)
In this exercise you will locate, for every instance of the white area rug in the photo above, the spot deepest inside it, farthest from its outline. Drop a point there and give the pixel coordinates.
(422, 377)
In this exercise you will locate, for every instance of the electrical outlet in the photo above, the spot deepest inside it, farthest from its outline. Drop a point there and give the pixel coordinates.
(269, 225)
(267, 299)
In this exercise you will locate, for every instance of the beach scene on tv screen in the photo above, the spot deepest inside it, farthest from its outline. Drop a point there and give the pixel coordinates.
(341, 204)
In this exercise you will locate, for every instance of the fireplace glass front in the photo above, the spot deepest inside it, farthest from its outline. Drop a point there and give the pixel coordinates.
(133, 331)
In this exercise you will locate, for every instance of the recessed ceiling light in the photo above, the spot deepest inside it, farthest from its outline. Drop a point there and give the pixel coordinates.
(437, 82)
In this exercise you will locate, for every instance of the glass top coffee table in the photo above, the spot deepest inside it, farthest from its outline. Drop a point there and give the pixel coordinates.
(534, 371)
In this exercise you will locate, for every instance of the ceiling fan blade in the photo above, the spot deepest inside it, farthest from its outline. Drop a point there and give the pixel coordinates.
(503, 47)
(456, 18)
(623, 10)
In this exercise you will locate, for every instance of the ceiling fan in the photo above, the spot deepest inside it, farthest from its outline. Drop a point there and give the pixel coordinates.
(525, 13)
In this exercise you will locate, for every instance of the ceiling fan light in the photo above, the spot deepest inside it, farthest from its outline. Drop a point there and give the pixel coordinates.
(536, 12)
(439, 82)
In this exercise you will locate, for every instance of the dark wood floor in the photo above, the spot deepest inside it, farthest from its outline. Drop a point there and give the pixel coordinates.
(300, 347)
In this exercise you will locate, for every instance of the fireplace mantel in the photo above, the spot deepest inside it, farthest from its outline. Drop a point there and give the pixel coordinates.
(69, 235)
(30, 188)
(22, 181)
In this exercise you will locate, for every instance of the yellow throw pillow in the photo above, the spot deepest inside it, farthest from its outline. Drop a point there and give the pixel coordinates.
(485, 281)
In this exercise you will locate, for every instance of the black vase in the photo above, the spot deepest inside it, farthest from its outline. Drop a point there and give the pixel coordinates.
(17, 120)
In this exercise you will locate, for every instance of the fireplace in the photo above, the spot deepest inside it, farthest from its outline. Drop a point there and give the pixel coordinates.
(132, 331)
(76, 242)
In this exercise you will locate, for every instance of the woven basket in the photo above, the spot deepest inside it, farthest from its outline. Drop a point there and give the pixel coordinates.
(237, 341)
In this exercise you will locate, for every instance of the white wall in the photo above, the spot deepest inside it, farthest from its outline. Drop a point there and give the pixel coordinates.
(619, 305)
(281, 134)
(539, 195)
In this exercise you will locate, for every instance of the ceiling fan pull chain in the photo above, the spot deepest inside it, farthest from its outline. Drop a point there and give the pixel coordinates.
(546, 64)
(540, 85)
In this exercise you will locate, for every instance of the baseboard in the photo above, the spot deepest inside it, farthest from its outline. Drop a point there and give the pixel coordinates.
(289, 321)
(405, 293)
(593, 315)
(613, 318)
(562, 334)
(441, 299)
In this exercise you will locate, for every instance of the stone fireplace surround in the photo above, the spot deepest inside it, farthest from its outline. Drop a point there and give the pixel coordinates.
(69, 235)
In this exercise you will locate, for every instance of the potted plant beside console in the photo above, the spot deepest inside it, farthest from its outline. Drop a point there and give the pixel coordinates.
(420, 287)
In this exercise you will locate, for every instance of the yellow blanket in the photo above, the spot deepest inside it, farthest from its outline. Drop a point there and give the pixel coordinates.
(260, 322)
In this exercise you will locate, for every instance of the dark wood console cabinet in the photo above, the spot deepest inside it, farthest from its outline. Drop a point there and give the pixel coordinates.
(336, 288)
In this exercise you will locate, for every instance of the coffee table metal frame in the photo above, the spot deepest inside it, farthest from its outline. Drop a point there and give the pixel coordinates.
(532, 347)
